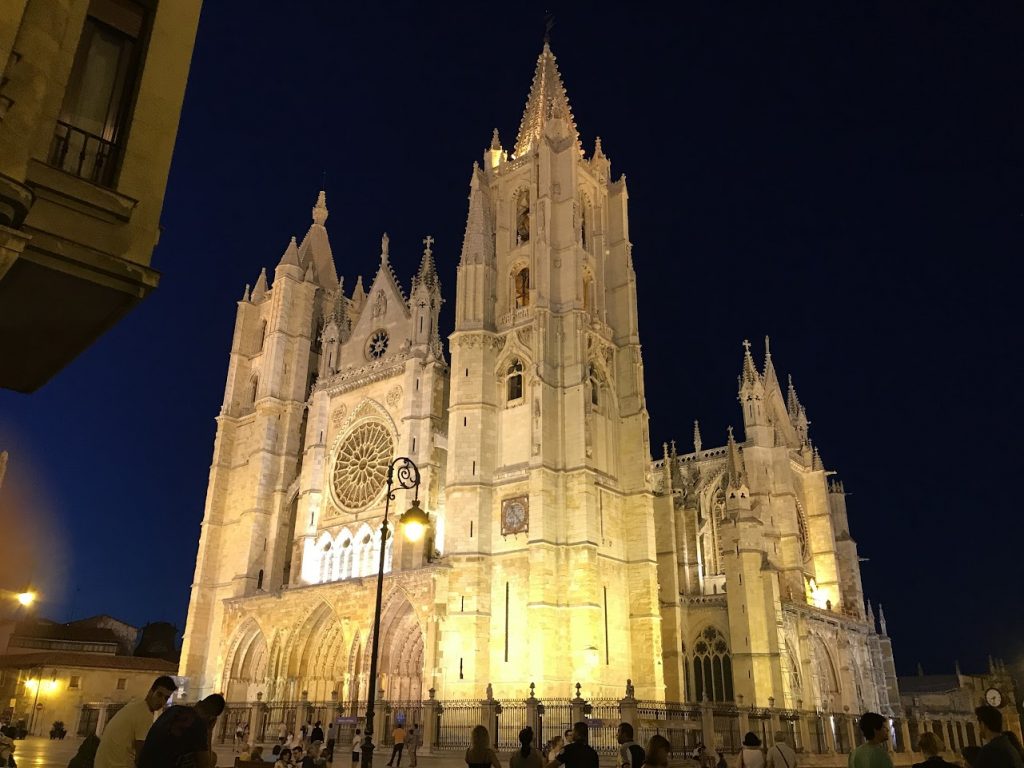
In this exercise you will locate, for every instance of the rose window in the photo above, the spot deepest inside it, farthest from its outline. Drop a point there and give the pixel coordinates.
(378, 344)
(361, 466)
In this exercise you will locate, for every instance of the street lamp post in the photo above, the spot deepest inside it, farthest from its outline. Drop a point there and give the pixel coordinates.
(404, 474)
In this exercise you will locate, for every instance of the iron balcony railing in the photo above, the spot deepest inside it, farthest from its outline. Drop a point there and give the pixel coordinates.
(84, 154)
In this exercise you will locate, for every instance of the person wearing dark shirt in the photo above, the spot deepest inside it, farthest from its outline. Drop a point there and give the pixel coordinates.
(999, 751)
(317, 733)
(180, 737)
(578, 753)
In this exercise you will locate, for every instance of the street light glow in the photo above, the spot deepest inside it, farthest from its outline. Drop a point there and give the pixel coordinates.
(414, 522)
(26, 598)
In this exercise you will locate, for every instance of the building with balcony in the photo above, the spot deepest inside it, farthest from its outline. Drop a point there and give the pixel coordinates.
(90, 97)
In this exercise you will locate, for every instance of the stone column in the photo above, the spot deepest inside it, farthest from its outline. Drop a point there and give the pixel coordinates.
(957, 737)
(707, 724)
(905, 735)
(851, 731)
(431, 709)
(830, 737)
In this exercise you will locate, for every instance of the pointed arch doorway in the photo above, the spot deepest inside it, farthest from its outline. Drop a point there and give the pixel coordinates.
(400, 666)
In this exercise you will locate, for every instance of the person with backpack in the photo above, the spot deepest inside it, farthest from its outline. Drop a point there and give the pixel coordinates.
(631, 754)
(782, 754)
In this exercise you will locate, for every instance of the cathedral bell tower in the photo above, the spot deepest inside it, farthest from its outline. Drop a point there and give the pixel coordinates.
(549, 514)
(246, 545)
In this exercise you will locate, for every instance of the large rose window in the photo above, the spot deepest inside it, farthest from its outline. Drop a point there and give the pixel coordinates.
(361, 467)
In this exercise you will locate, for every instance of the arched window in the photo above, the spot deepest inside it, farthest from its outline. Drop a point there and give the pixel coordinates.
(345, 559)
(588, 292)
(327, 563)
(259, 579)
(366, 556)
(514, 381)
(252, 391)
(595, 387)
(263, 336)
(583, 225)
(712, 667)
(521, 288)
(523, 217)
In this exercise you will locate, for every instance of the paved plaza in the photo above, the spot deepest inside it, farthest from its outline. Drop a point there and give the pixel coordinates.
(41, 752)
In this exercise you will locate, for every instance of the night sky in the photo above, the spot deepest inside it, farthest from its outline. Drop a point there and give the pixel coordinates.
(844, 177)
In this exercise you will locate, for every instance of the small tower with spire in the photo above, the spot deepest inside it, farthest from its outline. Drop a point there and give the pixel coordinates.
(425, 303)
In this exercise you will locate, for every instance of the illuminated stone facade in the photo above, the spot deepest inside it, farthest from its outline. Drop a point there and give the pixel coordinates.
(559, 551)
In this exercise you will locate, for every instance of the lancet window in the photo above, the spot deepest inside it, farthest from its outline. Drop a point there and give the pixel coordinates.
(348, 558)
(595, 387)
(712, 667)
(514, 381)
(521, 288)
(523, 217)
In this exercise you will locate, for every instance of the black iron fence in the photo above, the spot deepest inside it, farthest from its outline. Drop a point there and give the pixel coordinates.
(682, 723)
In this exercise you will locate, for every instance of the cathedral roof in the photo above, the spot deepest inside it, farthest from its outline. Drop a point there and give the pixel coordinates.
(547, 100)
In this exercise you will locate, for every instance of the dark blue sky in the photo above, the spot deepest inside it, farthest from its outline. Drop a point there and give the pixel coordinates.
(846, 177)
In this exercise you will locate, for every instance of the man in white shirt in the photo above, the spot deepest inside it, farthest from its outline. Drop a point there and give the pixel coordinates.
(125, 734)
(781, 755)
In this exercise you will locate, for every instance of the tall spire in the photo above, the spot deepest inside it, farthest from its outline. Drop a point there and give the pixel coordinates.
(769, 367)
(478, 240)
(749, 374)
(696, 436)
(316, 246)
(547, 101)
(260, 289)
(735, 465)
(792, 401)
(320, 209)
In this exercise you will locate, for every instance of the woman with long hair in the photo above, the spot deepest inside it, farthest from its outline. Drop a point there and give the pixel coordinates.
(526, 756)
(284, 759)
(480, 754)
(658, 751)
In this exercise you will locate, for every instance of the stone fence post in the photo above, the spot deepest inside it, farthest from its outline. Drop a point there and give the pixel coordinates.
(707, 724)
(628, 707)
(489, 709)
(801, 724)
(533, 715)
(431, 709)
(577, 707)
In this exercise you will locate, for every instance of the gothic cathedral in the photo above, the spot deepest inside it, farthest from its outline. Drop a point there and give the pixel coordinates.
(558, 551)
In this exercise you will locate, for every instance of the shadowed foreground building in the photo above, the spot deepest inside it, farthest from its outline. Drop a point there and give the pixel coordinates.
(90, 96)
(80, 673)
(560, 551)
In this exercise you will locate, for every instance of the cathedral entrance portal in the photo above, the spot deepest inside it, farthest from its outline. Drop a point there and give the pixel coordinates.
(400, 666)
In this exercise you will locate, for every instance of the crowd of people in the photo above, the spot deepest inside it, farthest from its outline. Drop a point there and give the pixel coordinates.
(147, 733)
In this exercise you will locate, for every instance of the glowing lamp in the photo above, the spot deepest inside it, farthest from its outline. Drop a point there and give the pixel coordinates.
(51, 686)
(26, 598)
(414, 522)
(32, 684)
